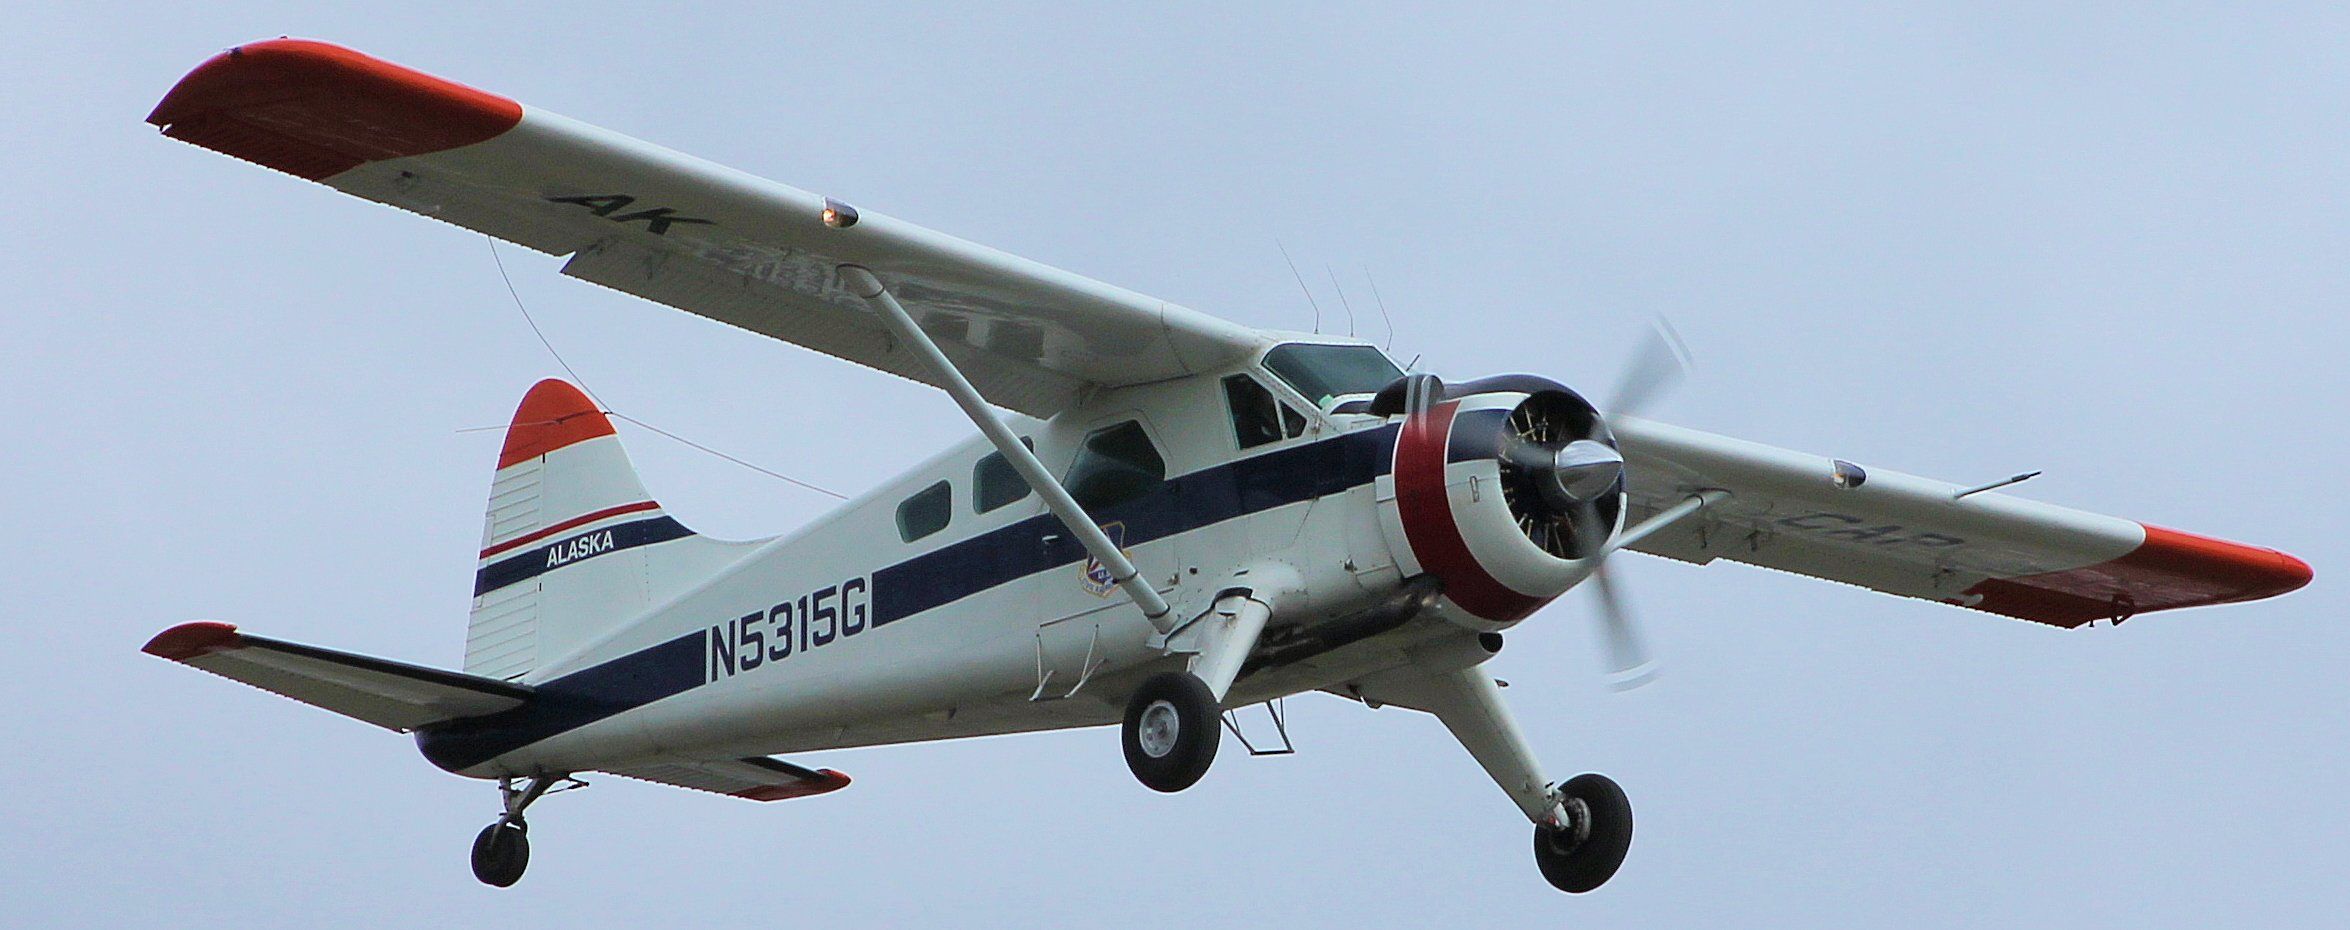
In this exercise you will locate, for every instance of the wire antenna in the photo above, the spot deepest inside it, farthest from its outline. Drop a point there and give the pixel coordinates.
(828, 492)
(606, 409)
(1384, 319)
(1301, 284)
(1350, 308)
(534, 323)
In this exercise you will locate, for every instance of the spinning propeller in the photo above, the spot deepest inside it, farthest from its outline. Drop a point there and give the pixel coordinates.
(1563, 479)
(1659, 365)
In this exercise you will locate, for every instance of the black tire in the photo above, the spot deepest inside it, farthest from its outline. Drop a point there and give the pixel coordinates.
(1576, 866)
(1184, 729)
(500, 853)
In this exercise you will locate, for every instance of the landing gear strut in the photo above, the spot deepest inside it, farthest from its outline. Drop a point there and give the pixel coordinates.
(1582, 828)
(1585, 852)
(502, 851)
(1171, 731)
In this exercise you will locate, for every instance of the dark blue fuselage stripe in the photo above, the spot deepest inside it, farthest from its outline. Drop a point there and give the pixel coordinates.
(1477, 434)
(951, 573)
(1187, 502)
(535, 562)
(568, 703)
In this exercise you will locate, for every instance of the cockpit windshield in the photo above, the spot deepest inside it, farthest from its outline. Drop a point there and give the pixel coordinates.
(1322, 372)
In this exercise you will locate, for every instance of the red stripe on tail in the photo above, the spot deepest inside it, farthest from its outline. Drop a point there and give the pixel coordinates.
(578, 521)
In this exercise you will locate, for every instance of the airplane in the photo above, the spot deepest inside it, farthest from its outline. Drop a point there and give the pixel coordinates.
(1165, 516)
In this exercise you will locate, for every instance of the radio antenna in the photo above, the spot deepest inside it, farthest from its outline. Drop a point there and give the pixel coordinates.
(1350, 308)
(1384, 319)
(1301, 284)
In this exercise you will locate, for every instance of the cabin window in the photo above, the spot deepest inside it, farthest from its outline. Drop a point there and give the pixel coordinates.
(1258, 418)
(1321, 372)
(926, 512)
(994, 483)
(1117, 464)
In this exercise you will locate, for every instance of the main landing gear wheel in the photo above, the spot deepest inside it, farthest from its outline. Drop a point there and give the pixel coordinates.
(1171, 731)
(501, 852)
(1586, 854)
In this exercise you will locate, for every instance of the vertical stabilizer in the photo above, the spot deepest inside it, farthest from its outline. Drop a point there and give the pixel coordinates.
(572, 546)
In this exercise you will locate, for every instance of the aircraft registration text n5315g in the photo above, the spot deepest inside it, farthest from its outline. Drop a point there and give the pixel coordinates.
(815, 620)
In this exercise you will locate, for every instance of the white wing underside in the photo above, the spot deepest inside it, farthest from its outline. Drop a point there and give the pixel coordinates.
(682, 231)
(1916, 537)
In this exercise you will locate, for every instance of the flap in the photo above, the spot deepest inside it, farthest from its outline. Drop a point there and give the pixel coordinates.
(759, 778)
(1902, 534)
(672, 228)
(395, 695)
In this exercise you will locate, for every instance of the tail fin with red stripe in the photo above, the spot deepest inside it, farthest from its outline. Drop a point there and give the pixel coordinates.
(572, 546)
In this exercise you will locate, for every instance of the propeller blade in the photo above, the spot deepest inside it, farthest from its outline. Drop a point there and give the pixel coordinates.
(1659, 365)
(1628, 663)
(1420, 393)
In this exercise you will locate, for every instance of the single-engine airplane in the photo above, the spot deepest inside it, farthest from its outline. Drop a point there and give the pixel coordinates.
(1178, 515)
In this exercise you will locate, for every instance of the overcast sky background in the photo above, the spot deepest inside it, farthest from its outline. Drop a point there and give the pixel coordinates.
(2105, 241)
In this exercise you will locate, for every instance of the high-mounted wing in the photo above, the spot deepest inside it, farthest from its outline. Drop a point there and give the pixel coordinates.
(1916, 537)
(759, 778)
(678, 230)
(394, 695)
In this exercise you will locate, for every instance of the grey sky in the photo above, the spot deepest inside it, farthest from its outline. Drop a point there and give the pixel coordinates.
(2105, 241)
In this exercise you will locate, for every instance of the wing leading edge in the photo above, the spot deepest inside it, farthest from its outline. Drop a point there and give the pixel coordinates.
(679, 230)
(1916, 537)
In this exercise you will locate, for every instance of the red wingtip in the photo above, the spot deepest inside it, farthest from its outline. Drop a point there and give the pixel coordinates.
(315, 110)
(827, 781)
(189, 640)
(2203, 570)
(2170, 569)
(553, 415)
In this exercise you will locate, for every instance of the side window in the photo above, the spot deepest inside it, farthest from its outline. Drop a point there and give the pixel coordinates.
(926, 512)
(1117, 464)
(1256, 416)
(994, 483)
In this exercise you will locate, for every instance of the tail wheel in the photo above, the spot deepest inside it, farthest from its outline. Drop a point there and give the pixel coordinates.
(501, 852)
(1171, 731)
(1587, 853)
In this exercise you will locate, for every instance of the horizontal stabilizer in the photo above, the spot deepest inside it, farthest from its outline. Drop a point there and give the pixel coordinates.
(759, 778)
(394, 695)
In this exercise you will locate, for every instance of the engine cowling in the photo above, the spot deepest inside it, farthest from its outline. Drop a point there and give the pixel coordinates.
(1502, 488)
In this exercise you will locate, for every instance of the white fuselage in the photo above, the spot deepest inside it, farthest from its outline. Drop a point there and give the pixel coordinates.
(844, 634)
